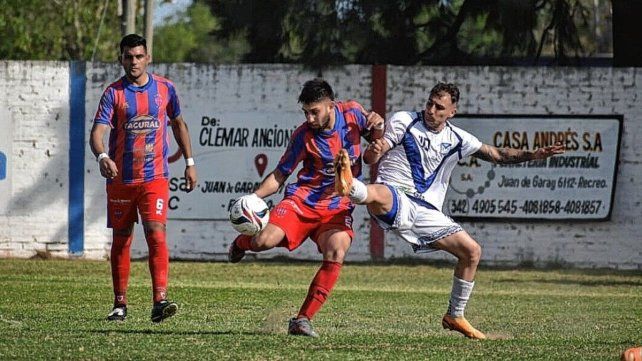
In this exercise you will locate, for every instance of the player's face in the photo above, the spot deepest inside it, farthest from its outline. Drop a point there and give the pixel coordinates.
(439, 109)
(319, 115)
(134, 61)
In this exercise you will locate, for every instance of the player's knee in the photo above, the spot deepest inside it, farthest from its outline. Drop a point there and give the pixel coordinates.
(334, 255)
(473, 253)
(154, 227)
(123, 232)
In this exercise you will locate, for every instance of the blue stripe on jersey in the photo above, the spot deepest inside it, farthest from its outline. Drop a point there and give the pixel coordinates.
(343, 128)
(150, 138)
(413, 156)
(128, 154)
(334, 203)
(290, 158)
(361, 120)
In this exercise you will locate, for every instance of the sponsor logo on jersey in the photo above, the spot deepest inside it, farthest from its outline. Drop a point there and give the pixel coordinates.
(445, 148)
(142, 124)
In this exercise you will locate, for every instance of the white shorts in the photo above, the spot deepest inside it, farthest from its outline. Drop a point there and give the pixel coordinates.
(416, 221)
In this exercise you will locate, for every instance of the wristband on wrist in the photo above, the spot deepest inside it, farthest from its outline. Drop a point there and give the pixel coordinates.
(101, 156)
(189, 162)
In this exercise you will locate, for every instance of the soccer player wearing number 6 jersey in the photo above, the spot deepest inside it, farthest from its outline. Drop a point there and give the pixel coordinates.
(416, 156)
(137, 109)
(311, 207)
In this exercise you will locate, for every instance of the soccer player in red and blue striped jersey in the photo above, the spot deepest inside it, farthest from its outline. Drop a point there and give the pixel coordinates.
(311, 207)
(137, 109)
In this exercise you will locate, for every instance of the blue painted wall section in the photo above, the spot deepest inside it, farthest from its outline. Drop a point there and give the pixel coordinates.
(76, 224)
(3, 166)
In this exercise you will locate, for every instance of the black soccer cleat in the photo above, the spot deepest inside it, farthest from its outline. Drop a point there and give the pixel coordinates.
(234, 253)
(119, 313)
(163, 309)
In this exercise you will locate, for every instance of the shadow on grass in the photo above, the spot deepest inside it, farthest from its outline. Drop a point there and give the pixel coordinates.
(183, 333)
(589, 283)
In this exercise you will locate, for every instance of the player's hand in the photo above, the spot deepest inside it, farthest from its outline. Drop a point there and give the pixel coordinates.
(108, 168)
(190, 176)
(376, 147)
(375, 124)
(551, 150)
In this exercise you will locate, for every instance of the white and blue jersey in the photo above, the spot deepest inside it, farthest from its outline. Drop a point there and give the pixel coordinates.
(421, 161)
(417, 170)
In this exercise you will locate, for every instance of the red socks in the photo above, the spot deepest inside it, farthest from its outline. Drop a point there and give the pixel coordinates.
(120, 267)
(158, 263)
(320, 288)
(244, 242)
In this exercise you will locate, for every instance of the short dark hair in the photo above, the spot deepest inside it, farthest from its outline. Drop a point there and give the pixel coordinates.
(315, 90)
(448, 88)
(132, 41)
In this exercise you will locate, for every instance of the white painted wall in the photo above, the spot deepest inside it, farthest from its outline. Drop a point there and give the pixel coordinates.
(35, 98)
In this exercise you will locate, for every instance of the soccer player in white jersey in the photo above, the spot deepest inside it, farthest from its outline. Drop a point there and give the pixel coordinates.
(416, 157)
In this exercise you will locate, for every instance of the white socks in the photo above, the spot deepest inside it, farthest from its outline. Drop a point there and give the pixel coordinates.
(358, 192)
(459, 296)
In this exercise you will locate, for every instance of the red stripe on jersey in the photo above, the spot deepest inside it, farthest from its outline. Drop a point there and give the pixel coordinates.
(142, 108)
(121, 116)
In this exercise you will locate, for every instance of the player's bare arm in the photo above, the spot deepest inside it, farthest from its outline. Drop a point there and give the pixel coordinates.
(181, 134)
(375, 150)
(496, 155)
(107, 166)
(270, 184)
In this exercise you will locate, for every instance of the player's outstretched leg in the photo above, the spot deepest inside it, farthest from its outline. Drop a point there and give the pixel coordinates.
(342, 173)
(163, 309)
(301, 327)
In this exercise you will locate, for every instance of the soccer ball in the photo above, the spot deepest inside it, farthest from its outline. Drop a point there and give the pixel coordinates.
(249, 214)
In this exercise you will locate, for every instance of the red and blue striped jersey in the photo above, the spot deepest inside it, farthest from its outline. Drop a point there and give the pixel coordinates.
(138, 117)
(317, 150)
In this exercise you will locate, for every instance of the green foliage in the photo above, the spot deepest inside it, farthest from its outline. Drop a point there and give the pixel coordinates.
(56, 310)
(319, 33)
(57, 30)
(193, 39)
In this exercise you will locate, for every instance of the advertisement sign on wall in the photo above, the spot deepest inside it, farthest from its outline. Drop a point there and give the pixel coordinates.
(578, 184)
(233, 151)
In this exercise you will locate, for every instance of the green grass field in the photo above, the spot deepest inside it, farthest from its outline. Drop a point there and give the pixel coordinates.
(56, 310)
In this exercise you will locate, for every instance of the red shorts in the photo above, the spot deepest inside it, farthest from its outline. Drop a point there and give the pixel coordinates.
(299, 222)
(125, 201)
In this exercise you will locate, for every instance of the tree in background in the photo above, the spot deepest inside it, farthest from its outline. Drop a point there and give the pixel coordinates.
(192, 36)
(320, 32)
(58, 30)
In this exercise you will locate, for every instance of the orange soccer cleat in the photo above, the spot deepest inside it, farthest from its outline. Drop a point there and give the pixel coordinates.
(342, 173)
(632, 354)
(460, 324)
